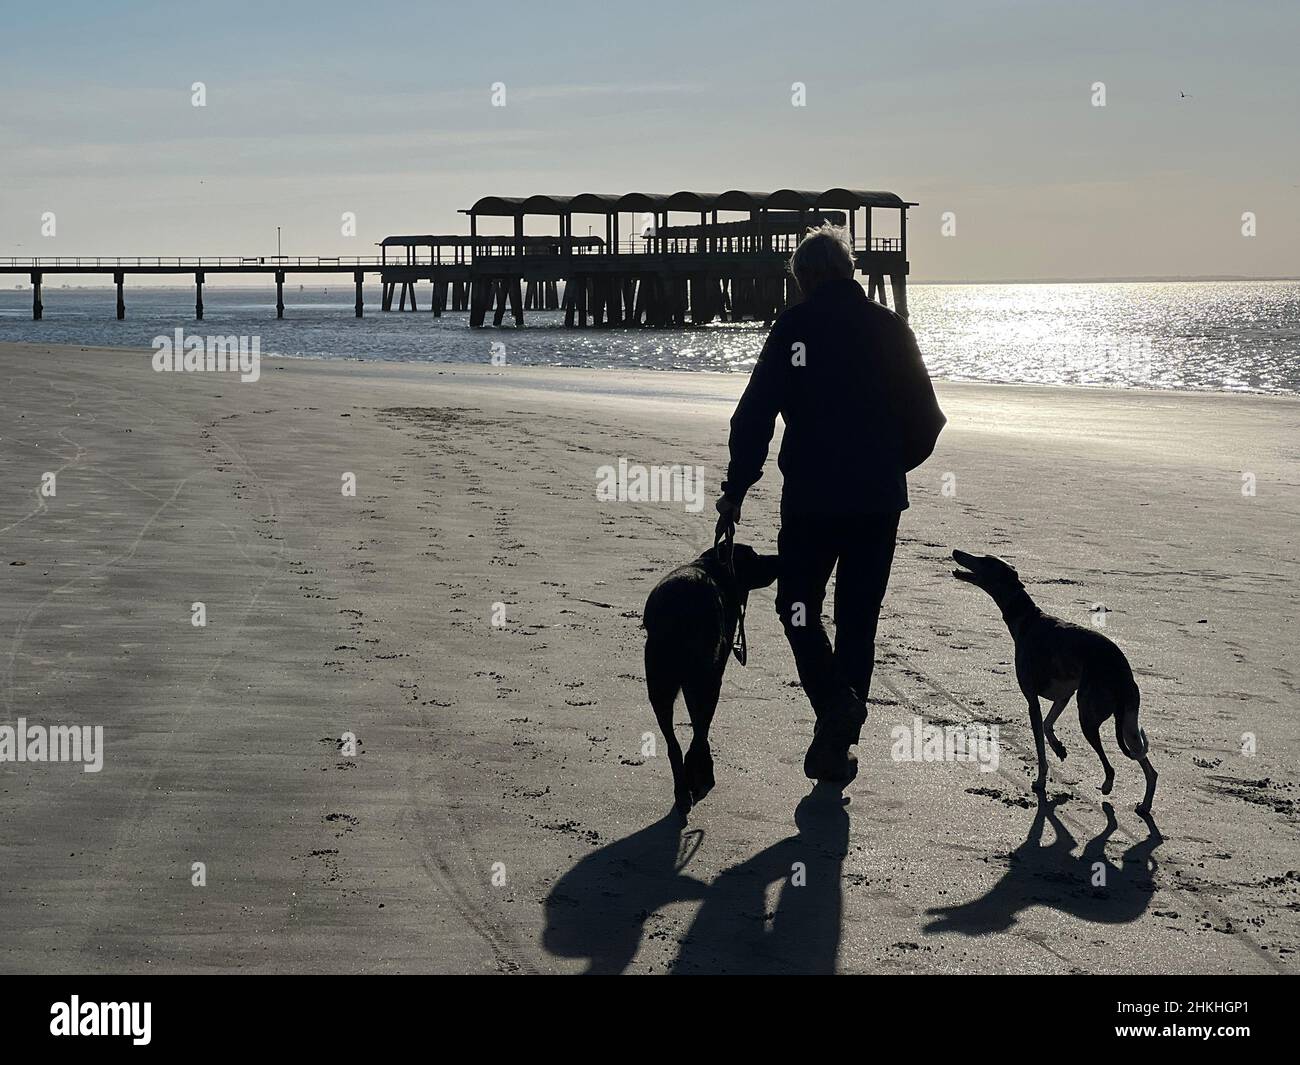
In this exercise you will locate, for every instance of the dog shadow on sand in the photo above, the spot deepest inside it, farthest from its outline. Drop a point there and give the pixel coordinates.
(1053, 876)
(606, 904)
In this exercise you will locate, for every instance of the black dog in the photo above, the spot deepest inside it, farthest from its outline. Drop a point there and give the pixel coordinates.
(1054, 659)
(690, 621)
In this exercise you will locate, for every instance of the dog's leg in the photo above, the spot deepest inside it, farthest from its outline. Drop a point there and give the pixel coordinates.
(663, 687)
(1050, 727)
(1036, 720)
(1092, 733)
(1095, 707)
(681, 788)
(1133, 742)
(1149, 771)
(701, 702)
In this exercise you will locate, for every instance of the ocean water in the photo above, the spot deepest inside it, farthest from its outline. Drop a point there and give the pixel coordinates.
(1221, 336)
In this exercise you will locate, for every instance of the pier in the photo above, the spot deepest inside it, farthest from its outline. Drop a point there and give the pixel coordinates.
(655, 270)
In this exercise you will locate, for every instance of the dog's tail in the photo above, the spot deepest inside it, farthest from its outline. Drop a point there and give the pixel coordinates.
(1129, 735)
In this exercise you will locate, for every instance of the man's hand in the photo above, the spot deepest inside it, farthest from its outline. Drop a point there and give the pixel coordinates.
(728, 510)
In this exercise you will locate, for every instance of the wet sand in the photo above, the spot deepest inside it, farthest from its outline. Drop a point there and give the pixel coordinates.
(498, 813)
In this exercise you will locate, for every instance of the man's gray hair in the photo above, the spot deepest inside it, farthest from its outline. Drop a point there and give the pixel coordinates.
(824, 254)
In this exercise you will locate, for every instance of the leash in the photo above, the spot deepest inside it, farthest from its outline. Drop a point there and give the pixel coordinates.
(725, 534)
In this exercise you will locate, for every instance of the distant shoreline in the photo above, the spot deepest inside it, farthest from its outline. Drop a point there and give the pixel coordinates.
(625, 375)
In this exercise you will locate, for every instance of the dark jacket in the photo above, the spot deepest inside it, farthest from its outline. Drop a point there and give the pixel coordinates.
(859, 412)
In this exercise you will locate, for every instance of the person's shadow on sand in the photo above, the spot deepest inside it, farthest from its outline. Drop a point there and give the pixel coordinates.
(735, 932)
(1052, 876)
(598, 910)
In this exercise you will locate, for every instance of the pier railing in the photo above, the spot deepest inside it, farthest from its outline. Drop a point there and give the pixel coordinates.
(670, 246)
(186, 262)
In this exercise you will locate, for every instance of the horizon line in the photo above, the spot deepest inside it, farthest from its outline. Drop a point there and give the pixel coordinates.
(1110, 280)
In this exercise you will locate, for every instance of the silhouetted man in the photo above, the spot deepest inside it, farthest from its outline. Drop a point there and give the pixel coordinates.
(848, 380)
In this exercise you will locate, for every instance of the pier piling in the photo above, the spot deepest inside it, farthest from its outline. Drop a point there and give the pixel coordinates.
(478, 297)
(279, 293)
(38, 308)
(899, 285)
(198, 295)
(517, 300)
(360, 303)
(118, 279)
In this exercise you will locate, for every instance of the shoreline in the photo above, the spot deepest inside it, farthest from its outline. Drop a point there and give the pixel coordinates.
(739, 374)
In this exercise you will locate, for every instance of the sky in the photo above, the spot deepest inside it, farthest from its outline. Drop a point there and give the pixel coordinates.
(984, 113)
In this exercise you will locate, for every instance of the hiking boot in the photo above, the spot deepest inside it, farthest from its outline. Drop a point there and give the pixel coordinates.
(829, 761)
(837, 769)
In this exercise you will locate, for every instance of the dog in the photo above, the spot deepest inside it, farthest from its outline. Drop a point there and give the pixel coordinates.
(690, 620)
(1054, 660)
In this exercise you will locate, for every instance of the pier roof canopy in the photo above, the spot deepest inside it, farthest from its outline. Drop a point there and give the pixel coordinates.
(415, 240)
(733, 200)
(459, 240)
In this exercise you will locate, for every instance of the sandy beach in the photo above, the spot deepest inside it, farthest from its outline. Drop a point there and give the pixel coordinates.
(471, 616)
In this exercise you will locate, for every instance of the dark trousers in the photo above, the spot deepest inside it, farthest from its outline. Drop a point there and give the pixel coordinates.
(860, 549)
